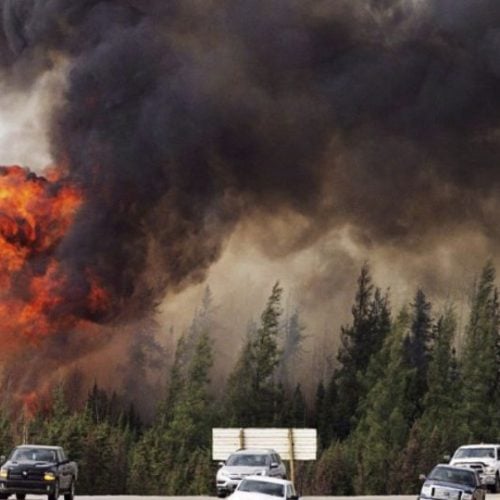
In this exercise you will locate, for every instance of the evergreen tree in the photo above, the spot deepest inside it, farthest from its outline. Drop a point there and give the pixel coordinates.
(252, 389)
(383, 430)
(417, 348)
(371, 323)
(479, 361)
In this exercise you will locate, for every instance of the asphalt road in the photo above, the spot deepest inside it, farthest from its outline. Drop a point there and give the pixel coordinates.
(489, 496)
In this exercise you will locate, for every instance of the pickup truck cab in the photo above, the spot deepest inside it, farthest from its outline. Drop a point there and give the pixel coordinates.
(448, 482)
(484, 459)
(38, 469)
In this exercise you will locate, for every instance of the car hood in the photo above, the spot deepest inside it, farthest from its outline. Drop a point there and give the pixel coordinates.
(27, 465)
(251, 495)
(472, 460)
(446, 484)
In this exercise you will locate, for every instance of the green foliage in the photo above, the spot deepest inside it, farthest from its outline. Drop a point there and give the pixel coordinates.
(359, 341)
(479, 361)
(383, 430)
(400, 398)
(253, 393)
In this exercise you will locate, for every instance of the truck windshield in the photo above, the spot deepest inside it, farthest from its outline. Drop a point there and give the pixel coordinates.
(451, 475)
(475, 453)
(33, 455)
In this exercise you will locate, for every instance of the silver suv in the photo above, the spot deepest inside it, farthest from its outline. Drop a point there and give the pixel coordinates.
(251, 462)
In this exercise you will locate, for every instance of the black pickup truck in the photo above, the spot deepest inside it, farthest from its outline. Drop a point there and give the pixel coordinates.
(38, 469)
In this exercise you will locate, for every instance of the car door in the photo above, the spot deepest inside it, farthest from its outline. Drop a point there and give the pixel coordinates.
(64, 470)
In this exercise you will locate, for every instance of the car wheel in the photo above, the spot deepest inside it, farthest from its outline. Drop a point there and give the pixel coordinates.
(4, 496)
(55, 494)
(20, 496)
(70, 494)
(221, 494)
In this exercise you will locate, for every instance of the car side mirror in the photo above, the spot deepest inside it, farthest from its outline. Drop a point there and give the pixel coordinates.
(422, 477)
(220, 464)
(446, 457)
(274, 465)
(2, 458)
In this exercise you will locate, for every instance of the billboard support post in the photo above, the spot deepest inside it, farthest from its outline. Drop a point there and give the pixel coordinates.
(291, 452)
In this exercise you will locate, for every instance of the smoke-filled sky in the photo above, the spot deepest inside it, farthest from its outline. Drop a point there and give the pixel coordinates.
(278, 139)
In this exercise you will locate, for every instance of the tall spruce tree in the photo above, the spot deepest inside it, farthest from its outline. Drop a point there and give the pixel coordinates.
(359, 341)
(417, 348)
(252, 387)
(479, 361)
(383, 429)
(439, 429)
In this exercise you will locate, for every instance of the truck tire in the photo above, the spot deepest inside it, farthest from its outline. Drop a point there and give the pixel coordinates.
(70, 494)
(20, 496)
(55, 495)
(496, 487)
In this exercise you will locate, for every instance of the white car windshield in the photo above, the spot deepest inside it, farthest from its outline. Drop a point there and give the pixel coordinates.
(475, 453)
(255, 486)
(246, 459)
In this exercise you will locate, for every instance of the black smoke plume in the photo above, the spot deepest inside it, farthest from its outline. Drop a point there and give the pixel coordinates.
(181, 117)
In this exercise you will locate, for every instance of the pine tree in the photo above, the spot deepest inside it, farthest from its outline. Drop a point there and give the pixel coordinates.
(371, 323)
(252, 388)
(479, 361)
(384, 427)
(417, 348)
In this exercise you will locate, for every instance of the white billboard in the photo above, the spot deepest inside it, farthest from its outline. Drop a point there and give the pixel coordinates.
(291, 444)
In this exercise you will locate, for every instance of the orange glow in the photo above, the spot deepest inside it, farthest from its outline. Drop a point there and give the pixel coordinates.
(35, 298)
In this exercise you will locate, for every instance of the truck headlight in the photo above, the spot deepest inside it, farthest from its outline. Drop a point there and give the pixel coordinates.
(489, 470)
(222, 473)
(426, 490)
(4, 473)
(49, 476)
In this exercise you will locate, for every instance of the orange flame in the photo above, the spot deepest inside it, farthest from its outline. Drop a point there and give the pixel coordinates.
(35, 215)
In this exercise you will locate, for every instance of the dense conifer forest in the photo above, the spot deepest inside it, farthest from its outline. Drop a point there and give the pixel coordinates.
(404, 390)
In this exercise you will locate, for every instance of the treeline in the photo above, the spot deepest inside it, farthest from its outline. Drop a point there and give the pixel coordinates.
(405, 389)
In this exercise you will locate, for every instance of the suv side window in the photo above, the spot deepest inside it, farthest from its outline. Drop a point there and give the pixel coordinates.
(498, 453)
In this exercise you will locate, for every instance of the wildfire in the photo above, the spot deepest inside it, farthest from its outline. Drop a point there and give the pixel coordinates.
(35, 215)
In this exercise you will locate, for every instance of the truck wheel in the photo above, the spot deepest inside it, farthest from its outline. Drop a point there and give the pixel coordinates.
(70, 494)
(55, 495)
(496, 488)
(221, 494)
(20, 496)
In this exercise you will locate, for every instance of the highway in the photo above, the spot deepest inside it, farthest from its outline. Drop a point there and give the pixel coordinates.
(489, 496)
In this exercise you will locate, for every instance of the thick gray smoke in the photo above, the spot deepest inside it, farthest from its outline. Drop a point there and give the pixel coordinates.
(182, 117)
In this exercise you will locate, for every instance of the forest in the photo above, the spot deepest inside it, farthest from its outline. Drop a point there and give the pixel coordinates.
(406, 387)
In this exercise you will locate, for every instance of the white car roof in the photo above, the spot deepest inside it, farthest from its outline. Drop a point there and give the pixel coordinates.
(482, 445)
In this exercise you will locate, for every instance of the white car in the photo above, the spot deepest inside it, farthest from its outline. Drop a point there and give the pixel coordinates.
(264, 488)
(247, 462)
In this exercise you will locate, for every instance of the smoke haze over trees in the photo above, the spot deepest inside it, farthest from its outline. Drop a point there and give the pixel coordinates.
(405, 389)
